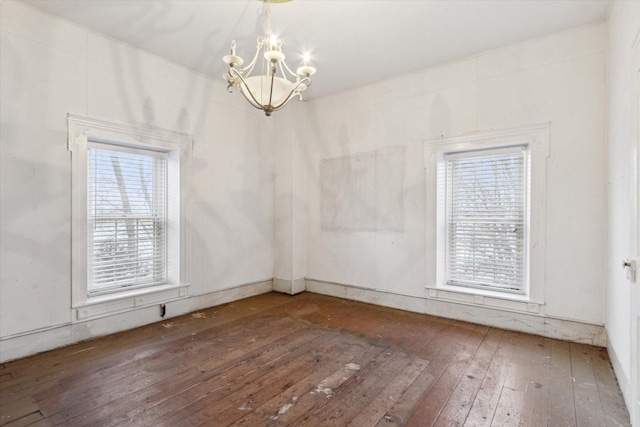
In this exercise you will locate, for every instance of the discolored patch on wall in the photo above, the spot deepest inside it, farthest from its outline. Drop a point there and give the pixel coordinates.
(363, 191)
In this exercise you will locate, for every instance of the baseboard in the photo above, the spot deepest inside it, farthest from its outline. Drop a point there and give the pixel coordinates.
(491, 316)
(623, 380)
(32, 342)
(371, 296)
(290, 287)
(25, 344)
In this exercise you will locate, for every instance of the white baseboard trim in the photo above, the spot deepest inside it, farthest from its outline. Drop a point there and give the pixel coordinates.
(371, 296)
(32, 342)
(491, 316)
(290, 287)
(623, 380)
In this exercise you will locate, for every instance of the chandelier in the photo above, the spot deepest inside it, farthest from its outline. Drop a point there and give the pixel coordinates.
(276, 84)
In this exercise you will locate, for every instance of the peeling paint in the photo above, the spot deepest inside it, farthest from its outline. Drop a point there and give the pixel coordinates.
(245, 406)
(332, 382)
(285, 408)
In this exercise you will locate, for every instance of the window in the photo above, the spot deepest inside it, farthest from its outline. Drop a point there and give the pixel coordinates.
(486, 211)
(485, 217)
(129, 216)
(126, 230)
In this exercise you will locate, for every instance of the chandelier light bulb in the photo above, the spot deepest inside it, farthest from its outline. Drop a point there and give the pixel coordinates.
(232, 59)
(306, 70)
(274, 54)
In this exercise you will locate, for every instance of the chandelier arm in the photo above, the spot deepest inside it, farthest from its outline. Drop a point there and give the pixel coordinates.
(249, 68)
(255, 101)
(273, 76)
(233, 72)
(286, 101)
(284, 65)
(305, 81)
(251, 101)
(282, 70)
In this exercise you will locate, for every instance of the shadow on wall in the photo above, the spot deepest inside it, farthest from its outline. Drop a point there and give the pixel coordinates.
(35, 206)
(369, 191)
(211, 223)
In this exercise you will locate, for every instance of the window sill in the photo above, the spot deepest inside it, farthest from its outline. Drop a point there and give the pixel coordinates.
(106, 305)
(486, 298)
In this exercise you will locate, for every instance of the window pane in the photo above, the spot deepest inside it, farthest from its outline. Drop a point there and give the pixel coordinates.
(486, 215)
(127, 218)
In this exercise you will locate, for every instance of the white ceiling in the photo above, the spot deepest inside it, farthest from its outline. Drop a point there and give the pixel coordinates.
(353, 42)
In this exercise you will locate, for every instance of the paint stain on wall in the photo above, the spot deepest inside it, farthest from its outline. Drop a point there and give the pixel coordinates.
(363, 191)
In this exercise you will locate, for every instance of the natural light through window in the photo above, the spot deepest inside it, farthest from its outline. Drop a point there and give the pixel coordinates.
(127, 201)
(486, 211)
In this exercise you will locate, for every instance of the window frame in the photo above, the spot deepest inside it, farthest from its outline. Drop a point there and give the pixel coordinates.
(536, 138)
(178, 147)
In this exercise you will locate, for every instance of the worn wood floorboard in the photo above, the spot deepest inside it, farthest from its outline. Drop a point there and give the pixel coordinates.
(349, 352)
(164, 367)
(562, 406)
(164, 396)
(447, 366)
(585, 390)
(221, 403)
(486, 399)
(361, 388)
(97, 355)
(509, 408)
(458, 406)
(310, 402)
(536, 405)
(613, 407)
(379, 407)
(277, 360)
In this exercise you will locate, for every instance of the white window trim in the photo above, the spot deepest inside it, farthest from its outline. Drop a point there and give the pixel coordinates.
(81, 130)
(536, 137)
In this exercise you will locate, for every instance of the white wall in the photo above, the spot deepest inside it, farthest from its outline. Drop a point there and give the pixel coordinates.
(290, 203)
(243, 163)
(624, 27)
(558, 79)
(49, 68)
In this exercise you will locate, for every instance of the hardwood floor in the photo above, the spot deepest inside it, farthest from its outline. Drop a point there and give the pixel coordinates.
(313, 360)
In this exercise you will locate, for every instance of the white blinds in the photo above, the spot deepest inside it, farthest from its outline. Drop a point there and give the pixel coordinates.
(126, 202)
(486, 218)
